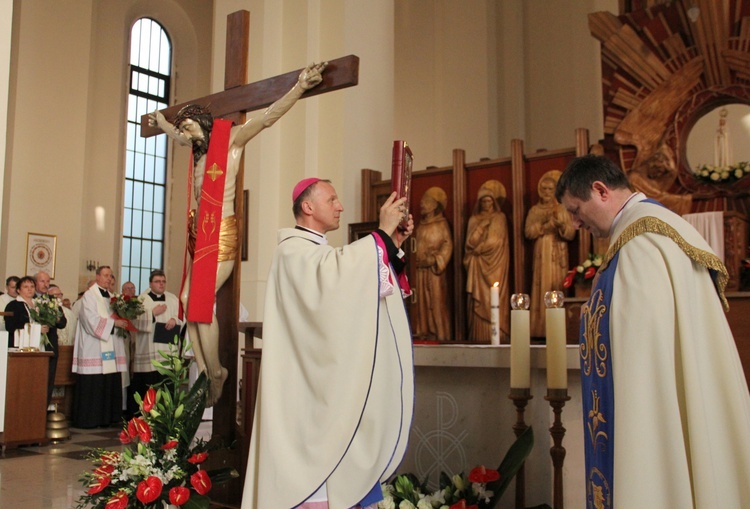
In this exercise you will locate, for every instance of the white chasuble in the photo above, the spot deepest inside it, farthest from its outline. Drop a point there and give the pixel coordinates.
(681, 404)
(336, 392)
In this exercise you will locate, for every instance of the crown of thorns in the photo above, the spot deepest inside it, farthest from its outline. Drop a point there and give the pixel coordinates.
(191, 111)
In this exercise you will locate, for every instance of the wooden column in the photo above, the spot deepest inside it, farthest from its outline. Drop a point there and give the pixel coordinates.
(460, 218)
(584, 236)
(518, 172)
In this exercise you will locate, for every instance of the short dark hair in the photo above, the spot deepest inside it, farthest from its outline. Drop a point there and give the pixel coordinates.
(154, 273)
(583, 171)
(23, 280)
(102, 267)
(12, 278)
(297, 205)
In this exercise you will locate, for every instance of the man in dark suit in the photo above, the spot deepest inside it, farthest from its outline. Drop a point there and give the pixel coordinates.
(42, 280)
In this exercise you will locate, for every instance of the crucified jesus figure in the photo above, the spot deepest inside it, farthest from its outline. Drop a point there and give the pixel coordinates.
(193, 126)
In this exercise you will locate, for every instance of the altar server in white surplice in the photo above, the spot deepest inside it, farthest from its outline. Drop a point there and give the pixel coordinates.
(157, 328)
(98, 358)
(336, 390)
(666, 407)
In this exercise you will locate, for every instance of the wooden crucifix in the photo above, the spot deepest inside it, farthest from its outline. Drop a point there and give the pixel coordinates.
(233, 103)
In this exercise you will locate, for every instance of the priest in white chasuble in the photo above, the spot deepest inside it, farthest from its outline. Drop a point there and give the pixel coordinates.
(336, 393)
(666, 408)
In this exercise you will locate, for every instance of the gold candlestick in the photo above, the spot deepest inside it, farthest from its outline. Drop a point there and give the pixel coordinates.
(557, 399)
(520, 399)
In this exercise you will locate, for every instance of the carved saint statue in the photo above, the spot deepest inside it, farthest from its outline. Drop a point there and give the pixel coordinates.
(487, 260)
(212, 230)
(548, 225)
(434, 251)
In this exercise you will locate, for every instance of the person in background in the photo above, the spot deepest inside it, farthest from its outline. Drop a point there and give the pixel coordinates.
(42, 279)
(128, 288)
(98, 358)
(157, 328)
(11, 287)
(20, 308)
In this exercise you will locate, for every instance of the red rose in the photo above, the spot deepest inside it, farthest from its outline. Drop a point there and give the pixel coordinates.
(112, 300)
(169, 445)
(126, 298)
(568, 281)
(201, 482)
(125, 436)
(179, 495)
(483, 475)
(100, 482)
(198, 458)
(149, 400)
(149, 490)
(590, 272)
(118, 501)
(141, 427)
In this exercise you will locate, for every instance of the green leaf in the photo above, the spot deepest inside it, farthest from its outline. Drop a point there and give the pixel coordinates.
(196, 502)
(510, 465)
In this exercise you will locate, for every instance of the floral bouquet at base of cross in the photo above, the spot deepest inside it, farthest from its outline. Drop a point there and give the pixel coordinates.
(127, 308)
(47, 312)
(481, 489)
(584, 273)
(160, 463)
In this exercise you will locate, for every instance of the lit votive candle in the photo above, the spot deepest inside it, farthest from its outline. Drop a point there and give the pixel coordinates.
(557, 374)
(520, 339)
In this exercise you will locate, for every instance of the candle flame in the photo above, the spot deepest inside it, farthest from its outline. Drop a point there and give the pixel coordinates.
(497, 283)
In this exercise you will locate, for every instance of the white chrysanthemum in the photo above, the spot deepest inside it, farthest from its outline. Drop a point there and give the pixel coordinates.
(387, 503)
(424, 503)
(724, 175)
(587, 264)
(738, 173)
(715, 177)
(405, 504)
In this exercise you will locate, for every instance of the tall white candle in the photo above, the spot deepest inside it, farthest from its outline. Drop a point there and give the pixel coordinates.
(557, 374)
(520, 339)
(495, 313)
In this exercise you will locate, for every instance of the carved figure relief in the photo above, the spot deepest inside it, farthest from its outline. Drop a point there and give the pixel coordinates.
(433, 316)
(548, 225)
(487, 260)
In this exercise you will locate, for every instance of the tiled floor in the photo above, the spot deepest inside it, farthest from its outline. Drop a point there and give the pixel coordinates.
(48, 477)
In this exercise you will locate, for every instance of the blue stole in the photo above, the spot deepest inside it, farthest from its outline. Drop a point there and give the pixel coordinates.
(598, 389)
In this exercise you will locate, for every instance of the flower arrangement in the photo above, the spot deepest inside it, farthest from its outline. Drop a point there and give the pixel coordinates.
(481, 489)
(127, 308)
(722, 174)
(46, 311)
(584, 273)
(161, 462)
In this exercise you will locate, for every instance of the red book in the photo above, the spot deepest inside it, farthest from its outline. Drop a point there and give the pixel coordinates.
(401, 168)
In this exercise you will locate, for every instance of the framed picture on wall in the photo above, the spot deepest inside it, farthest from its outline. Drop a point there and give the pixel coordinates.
(41, 251)
(359, 230)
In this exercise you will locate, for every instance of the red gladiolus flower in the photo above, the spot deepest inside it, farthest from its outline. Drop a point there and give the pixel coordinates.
(98, 485)
(483, 475)
(568, 281)
(169, 445)
(149, 400)
(201, 482)
(198, 458)
(179, 495)
(118, 501)
(141, 427)
(149, 490)
(125, 436)
(590, 272)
